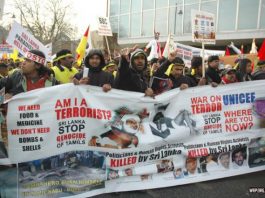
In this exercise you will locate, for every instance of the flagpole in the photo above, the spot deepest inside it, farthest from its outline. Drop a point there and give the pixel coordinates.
(108, 47)
(203, 64)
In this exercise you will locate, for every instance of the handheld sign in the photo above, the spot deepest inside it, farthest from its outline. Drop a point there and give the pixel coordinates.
(23, 41)
(85, 72)
(104, 28)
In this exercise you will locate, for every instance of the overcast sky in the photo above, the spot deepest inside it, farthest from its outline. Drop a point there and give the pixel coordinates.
(84, 12)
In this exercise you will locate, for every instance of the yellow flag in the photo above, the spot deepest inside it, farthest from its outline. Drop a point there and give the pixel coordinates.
(81, 49)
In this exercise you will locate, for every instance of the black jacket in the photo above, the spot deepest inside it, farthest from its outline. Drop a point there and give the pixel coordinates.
(15, 83)
(212, 75)
(160, 73)
(258, 75)
(96, 76)
(128, 78)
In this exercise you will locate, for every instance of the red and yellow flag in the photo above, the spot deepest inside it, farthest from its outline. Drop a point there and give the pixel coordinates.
(81, 49)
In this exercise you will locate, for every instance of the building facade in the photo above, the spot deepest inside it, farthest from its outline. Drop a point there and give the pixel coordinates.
(236, 20)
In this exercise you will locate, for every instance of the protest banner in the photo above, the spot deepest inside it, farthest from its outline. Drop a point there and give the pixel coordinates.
(203, 27)
(83, 142)
(6, 48)
(23, 41)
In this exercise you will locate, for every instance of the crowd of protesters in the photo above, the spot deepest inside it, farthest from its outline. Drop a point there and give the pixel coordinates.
(130, 72)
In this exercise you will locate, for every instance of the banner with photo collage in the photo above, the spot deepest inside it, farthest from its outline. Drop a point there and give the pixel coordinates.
(77, 141)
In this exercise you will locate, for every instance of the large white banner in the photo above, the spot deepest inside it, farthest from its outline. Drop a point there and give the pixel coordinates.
(78, 140)
(23, 41)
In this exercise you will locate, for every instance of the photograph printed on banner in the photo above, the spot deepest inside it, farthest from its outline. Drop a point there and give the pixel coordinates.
(166, 127)
(224, 160)
(66, 174)
(209, 164)
(259, 111)
(256, 150)
(8, 180)
(192, 167)
(239, 158)
(178, 173)
(124, 130)
(165, 166)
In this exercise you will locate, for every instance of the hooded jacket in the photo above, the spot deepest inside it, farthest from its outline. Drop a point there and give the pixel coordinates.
(96, 76)
(130, 79)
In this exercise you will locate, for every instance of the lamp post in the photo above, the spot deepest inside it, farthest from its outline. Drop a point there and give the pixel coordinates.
(175, 20)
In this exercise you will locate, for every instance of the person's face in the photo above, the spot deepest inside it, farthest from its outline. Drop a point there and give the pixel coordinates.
(28, 66)
(67, 61)
(176, 71)
(214, 64)
(132, 123)
(249, 68)
(239, 159)
(198, 70)
(94, 61)
(263, 68)
(4, 71)
(111, 69)
(139, 62)
(129, 172)
(231, 76)
(191, 166)
(224, 160)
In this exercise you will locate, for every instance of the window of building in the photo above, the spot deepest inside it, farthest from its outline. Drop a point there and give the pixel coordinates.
(124, 26)
(136, 5)
(262, 15)
(175, 20)
(148, 4)
(191, 1)
(125, 6)
(135, 24)
(114, 24)
(227, 15)
(248, 14)
(161, 3)
(114, 7)
(147, 26)
(161, 21)
(209, 7)
(174, 2)
(187, 16)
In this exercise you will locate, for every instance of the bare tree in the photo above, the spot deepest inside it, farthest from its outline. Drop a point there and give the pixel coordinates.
(47, 20)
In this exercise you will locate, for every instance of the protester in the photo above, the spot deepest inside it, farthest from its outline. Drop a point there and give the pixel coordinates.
(130, 76)
(95, 62)
(196, 78)
(259, 74)
(212, 72)
(3, 70)
(229, 76)
(33, 75)
(244, 70)
(111, 68)
(64, 70)
(170, 75)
